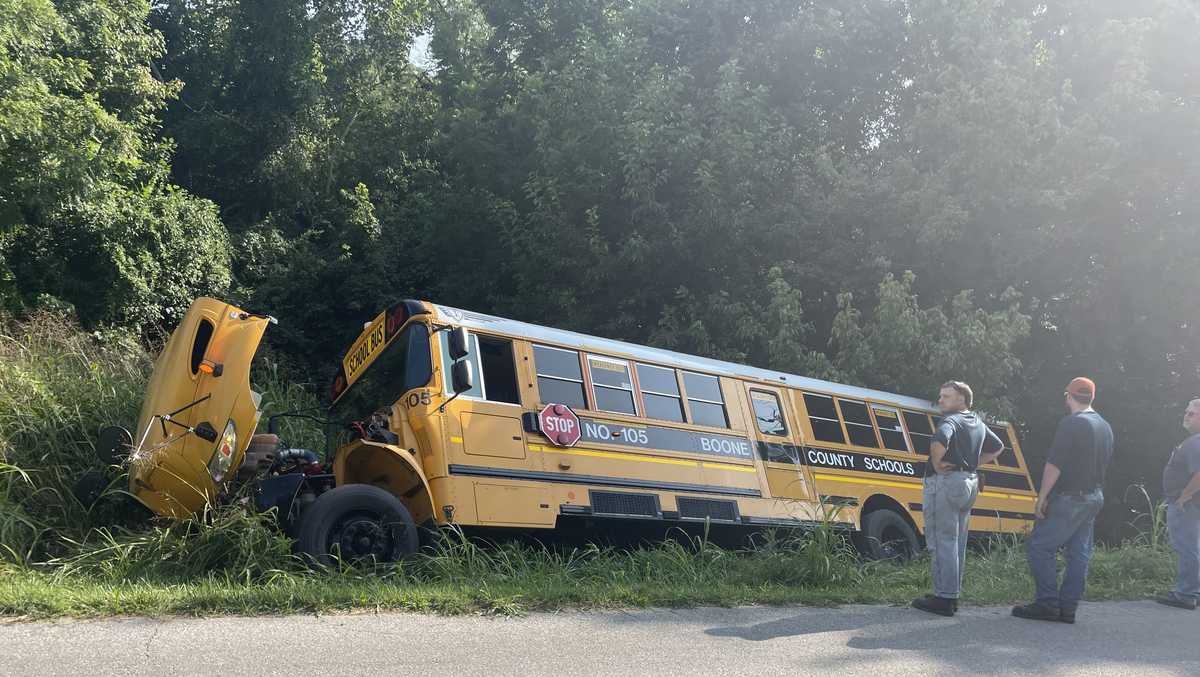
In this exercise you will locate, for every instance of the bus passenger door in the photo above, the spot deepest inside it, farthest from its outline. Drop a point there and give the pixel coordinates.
(787, 476)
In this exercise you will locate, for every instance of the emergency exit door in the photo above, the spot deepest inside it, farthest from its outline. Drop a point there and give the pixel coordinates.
(775, 434)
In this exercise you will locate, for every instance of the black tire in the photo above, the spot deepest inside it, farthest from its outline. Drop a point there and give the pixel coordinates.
(358, 523)
(887, 535)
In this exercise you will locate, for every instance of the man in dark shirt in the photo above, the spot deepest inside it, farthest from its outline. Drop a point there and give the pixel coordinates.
(960, 444)
(1070, 498)
(1181, 486)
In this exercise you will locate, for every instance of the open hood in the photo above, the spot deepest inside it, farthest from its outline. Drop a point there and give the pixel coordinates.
(199, 413)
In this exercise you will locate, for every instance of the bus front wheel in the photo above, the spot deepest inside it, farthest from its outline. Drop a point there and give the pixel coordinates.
(357, 523)
(887, 535)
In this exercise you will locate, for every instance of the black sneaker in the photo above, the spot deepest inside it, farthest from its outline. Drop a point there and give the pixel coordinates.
(1066, 616)
(942, 606)
(1038, 611)
(1177, 600)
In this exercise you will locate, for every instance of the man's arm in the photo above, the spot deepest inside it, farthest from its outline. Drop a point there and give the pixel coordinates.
(1192, 488)
(992, 448)
(937, 452)
(1192, 449)
(1060, 448)
(938, 446)
(1050, 476)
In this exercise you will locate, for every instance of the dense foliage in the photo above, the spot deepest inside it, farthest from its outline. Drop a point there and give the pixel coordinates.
(889, 193)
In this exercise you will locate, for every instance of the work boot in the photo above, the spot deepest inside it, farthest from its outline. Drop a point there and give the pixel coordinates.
(942, 606)
(1177, 600)
(1040, 611)
(1066, 615)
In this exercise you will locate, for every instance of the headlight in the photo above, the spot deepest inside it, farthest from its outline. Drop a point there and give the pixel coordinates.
(221, 459)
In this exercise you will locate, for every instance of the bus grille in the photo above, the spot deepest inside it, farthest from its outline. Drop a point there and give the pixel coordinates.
(625, 505)
(701, 508)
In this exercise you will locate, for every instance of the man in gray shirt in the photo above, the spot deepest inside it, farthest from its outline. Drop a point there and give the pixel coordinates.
(1181, 484)
(962, 442)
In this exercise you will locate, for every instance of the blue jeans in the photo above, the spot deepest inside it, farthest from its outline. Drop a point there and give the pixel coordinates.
(1183, 527)
(947, 506)
(1067, 526)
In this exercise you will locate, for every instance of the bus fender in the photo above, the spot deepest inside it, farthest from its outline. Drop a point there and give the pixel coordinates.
(389, 467)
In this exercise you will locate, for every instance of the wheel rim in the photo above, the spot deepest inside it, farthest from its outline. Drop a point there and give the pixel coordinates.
(365, 536)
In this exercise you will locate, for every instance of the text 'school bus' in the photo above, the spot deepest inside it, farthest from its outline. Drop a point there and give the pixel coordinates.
(464, 418)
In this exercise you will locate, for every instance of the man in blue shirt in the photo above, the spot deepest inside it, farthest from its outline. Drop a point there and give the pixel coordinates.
(1069, 500)
(962, 442)
(1181, 484)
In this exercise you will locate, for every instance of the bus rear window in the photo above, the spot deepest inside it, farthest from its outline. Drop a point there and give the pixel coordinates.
(1008, 457)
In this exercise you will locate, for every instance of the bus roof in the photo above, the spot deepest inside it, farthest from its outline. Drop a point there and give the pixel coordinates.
(491, 323)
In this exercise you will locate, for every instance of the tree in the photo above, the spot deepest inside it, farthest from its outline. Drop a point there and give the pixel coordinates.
(86, 213)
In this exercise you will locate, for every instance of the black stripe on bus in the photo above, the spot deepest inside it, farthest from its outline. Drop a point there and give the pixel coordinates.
(875, 464)
(479, 471)
(839, 500)
(985, 512)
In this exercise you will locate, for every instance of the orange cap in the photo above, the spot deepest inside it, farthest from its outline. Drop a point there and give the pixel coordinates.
(1082, 386)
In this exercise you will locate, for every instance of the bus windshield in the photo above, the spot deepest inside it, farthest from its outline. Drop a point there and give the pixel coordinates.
(403, 365)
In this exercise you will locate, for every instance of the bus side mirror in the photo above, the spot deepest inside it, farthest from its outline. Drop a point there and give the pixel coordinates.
(462, 377)
(458, 343)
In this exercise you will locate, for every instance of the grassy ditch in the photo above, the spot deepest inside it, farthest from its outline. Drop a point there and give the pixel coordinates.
(462, 576)
(58, 385)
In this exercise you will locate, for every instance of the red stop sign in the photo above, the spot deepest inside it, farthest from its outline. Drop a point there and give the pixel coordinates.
(560, 425)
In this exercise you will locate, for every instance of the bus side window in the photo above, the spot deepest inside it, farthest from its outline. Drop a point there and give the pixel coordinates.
(499, 370)
(767, 413)
(612, 387)
(890, 430)
(704, 399)
(660, 393)
(1008, 457)
(823, 416)
(920, 432)
(560, 380)
(858, 423)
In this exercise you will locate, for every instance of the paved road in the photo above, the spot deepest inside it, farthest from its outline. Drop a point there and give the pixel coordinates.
(1135, 638)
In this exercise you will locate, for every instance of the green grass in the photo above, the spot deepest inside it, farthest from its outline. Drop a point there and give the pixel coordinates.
(465, 577)
(58, 385)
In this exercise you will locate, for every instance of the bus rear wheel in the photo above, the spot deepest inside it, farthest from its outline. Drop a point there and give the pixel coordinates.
(359, 524)
(887, 535)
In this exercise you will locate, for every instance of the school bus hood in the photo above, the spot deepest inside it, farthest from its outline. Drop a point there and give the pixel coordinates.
(201, 378)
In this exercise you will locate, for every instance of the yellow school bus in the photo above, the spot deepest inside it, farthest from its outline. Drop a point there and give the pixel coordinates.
(455, 417)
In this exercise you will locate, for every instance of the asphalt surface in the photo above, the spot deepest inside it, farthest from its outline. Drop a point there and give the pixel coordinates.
(1131, 638)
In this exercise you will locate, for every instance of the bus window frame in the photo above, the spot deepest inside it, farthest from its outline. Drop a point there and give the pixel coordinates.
(691, 419)
(679, 396)
(448, 387)
(751, 390)
(870, 417)
(809, 415)
(633, 385)
(908, 450)
(910, 433)
(583, 372)
(996, 465)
